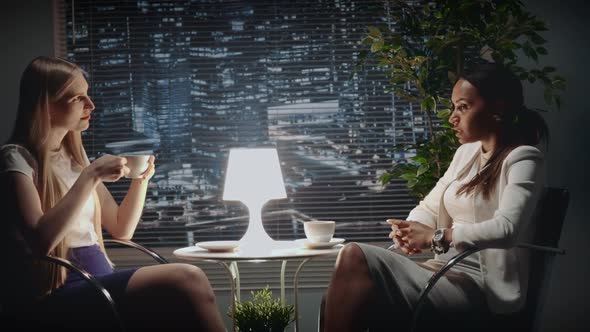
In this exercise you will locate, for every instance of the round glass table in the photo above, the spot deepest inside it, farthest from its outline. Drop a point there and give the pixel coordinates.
(277, 250)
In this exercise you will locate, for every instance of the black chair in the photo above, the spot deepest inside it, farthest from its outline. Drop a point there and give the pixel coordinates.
(9, 320)
(549, 217)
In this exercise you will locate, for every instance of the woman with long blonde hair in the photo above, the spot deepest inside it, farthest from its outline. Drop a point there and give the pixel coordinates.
(58, 205)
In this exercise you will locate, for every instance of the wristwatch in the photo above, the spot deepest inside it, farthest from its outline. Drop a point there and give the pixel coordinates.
(438, 245)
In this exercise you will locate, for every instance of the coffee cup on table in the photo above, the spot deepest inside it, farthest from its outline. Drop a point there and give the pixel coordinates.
(319, 230)
(137, 164)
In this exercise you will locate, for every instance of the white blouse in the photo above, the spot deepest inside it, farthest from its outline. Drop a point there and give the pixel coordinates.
(461, 210)
(16, 158)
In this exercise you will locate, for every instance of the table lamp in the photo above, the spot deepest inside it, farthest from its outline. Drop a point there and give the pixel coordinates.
(254, 177)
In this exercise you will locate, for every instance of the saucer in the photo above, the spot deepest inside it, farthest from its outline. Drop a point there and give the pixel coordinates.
(320, 245)
(218, 245)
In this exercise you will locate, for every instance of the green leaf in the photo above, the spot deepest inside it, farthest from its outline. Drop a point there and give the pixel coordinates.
(539, 25)
(445, 102)
(374, 32)
(385, 178)
(558, 102)
(544, 79)
(527, 49)
(367, 41)
(383, 62)
(408, 176)
(548, 96)
(419, 159)
(537, 39)
(377, 46)
(422, 169)
(444, 113)
(428, 104)
(558, 82)
(424, 105)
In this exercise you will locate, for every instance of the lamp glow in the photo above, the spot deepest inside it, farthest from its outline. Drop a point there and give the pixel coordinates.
(254, 177)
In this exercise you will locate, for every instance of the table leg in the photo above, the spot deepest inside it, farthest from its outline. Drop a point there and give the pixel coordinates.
(295, 291)
(283, 268)
(234, 276)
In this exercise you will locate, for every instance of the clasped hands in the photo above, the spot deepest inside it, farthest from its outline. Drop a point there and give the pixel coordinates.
(411, 237)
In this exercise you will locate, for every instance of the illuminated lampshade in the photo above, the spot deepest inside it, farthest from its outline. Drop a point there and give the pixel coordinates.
(254, 177)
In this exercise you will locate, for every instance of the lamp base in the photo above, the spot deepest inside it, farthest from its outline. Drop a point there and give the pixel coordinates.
(258, 242)
(256, 239)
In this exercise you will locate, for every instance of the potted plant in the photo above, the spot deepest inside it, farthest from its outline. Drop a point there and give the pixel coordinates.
(429, 45)
(263, 313)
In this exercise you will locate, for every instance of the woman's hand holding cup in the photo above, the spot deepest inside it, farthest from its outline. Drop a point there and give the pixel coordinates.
(108, 168)
(141, 166)
(150, 171)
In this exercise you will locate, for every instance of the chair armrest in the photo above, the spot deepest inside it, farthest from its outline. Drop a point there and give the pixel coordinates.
(104, 293)
(549, 250)
(458, 258)
(159, 258)
(435, 277)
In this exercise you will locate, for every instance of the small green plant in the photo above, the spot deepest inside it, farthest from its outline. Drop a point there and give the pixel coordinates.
(263, 313)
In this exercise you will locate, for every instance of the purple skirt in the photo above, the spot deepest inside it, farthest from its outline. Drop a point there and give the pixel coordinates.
(91, 259)
(78, 301)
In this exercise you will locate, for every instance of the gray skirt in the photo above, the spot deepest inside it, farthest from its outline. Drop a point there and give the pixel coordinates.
(399, 280)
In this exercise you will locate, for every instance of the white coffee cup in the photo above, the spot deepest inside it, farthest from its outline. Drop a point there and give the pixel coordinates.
(137, 164)
(319, 230)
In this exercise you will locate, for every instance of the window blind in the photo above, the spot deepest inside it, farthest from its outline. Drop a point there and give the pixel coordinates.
(189, 80)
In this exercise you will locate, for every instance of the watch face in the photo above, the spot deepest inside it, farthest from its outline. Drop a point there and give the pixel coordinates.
(439, 235)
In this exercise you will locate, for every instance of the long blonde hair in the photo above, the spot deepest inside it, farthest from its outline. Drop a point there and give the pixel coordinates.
(44, 81)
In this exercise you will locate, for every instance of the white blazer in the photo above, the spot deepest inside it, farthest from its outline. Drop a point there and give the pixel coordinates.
(499, 223)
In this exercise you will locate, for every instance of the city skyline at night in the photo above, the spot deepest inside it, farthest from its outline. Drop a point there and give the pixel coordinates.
(188, 80)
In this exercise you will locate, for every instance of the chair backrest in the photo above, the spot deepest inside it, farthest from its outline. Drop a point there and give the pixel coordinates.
(549, 218)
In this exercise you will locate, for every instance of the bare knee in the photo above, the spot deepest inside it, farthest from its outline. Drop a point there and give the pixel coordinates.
(190, 279)
(351, 260)
(182, 282)
(187, 275)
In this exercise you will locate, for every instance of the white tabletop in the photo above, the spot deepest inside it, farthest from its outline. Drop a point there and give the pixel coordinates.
(278, 250)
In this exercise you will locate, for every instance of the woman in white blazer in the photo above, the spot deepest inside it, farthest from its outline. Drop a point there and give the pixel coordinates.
(486, 199)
